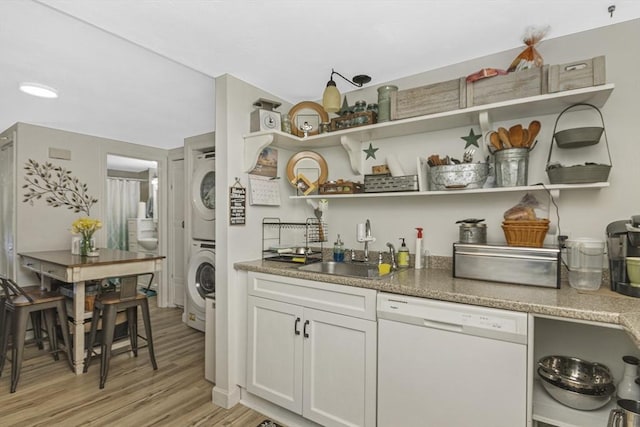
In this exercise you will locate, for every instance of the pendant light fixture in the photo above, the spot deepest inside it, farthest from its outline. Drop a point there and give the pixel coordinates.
(331, 95)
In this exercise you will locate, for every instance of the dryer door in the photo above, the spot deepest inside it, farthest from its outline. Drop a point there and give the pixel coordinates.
(203, 195)
(202, 277)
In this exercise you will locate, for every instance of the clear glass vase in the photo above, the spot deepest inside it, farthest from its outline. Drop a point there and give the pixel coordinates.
(86, 245)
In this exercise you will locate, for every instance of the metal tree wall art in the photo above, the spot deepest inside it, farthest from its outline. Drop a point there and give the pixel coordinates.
(57, 186)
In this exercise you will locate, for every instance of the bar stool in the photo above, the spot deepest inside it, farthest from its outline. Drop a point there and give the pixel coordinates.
(107, 306)
(19, 305)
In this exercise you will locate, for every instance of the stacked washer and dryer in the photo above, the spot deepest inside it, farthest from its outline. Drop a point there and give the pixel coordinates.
(200, 302)
(201, 275)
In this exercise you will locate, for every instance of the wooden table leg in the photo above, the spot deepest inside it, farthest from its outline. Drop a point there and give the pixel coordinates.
(78, 326)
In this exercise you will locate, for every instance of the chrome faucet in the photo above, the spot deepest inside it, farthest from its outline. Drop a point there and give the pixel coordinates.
(367, 238)
(392, 253)
(363, 235)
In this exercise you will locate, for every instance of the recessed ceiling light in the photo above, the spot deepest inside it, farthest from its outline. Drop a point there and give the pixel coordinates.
(36, 89)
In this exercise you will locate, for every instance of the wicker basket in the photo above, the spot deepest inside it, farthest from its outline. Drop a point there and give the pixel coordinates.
(526, 233)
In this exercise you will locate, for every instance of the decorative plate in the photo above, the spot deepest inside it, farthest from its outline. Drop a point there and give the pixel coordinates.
(307, 112)
(311, 162)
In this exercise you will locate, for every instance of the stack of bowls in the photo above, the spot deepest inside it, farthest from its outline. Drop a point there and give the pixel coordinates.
(576, 383)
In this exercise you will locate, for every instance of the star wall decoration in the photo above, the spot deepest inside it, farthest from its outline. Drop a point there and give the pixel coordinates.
(472, 139)
(371, 152)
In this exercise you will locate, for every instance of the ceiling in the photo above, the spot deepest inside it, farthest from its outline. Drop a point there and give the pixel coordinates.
(143, 71)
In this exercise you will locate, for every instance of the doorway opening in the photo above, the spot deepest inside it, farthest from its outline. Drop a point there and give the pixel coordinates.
(132, 209)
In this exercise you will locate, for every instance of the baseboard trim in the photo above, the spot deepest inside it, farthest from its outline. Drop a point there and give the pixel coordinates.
(225, 398)
(274, 412)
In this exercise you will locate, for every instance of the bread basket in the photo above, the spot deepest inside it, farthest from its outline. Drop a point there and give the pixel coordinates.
(528, 233)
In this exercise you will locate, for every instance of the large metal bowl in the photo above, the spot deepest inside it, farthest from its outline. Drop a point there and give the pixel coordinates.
(576, 400)
(463, 175)
(575, 374)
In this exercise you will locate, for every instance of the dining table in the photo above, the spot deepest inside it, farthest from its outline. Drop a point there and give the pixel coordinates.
(64, 266)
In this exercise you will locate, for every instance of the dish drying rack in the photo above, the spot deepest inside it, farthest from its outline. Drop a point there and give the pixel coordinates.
(291, 241)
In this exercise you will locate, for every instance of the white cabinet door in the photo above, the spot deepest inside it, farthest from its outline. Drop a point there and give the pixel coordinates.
(339, 369)
(274, 354)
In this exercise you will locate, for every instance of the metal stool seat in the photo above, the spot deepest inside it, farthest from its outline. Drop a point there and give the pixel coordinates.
(107, 306)
(19, 305)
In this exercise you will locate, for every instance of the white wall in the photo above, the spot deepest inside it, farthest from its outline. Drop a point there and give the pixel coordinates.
(234, 99)
(583, 212)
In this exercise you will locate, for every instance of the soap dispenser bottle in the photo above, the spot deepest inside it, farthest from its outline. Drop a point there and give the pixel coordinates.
(338, 250)
(403, 255)
(627, 387)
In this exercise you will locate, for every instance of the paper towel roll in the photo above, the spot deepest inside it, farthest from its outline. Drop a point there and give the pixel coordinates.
(142, 210)
(394, 166)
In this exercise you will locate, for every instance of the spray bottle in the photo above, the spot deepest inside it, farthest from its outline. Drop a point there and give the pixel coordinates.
(403, 255)
(418, 261)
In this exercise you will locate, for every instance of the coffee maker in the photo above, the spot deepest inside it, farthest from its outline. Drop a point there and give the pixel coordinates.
(623, 240)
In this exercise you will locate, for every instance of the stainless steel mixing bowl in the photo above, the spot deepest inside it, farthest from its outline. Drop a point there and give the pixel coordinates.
(577, 400)
(575, 374)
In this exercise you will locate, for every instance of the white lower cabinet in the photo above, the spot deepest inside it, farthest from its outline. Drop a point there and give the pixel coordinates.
(314, 362)
(602, 343)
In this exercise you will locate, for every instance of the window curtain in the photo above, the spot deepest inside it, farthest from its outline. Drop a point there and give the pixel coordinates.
(123, 196)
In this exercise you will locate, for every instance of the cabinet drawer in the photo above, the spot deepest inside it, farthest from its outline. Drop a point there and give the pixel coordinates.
(341, 299)
(31, 264)
(55, 271)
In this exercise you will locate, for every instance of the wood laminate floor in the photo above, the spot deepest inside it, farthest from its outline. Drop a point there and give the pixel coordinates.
(177, 394)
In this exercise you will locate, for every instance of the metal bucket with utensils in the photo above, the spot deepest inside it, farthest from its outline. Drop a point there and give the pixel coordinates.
(512, 167)
(627, 414)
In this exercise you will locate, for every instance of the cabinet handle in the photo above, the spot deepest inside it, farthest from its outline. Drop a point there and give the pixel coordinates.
(295, 326)
(304, 329)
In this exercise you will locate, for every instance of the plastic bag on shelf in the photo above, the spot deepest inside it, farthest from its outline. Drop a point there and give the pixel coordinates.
(527, 209)
(530, 57)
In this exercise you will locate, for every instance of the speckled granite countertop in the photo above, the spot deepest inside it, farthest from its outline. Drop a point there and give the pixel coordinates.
(602, 305)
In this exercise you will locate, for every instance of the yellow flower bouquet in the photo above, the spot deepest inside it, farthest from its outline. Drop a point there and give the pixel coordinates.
(86, 226)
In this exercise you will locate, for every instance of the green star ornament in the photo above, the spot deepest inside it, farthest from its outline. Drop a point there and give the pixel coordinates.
(371, 152)
(472, 139)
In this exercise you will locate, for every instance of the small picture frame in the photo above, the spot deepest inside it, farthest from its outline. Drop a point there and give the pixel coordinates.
(304, 185)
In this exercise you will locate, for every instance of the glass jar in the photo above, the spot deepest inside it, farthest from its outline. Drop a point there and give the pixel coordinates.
(373, 107)
(286, 124)
(384, 102)
(324, 127)
(360, 107)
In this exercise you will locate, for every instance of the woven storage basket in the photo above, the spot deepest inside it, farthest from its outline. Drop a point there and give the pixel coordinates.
(578, 174)
(526, 233)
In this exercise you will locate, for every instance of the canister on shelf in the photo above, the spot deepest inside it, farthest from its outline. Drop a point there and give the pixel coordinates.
(384, 102)
(286, 124)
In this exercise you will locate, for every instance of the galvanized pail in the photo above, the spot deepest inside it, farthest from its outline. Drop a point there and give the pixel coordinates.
(512, 167)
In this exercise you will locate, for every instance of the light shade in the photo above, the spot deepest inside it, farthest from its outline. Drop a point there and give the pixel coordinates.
(331, 98)
(39, 90)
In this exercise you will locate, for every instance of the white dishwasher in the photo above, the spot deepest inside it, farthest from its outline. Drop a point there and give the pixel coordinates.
(444, 364)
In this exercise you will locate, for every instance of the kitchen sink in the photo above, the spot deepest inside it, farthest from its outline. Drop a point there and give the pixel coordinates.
(351, 269)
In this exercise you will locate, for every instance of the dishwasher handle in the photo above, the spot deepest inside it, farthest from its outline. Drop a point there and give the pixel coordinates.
(451, 327)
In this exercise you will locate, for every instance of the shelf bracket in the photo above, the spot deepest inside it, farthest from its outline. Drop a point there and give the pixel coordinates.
(485, 127)
(352, 147)
(554, 196)
(253, 146)
(485, 122)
